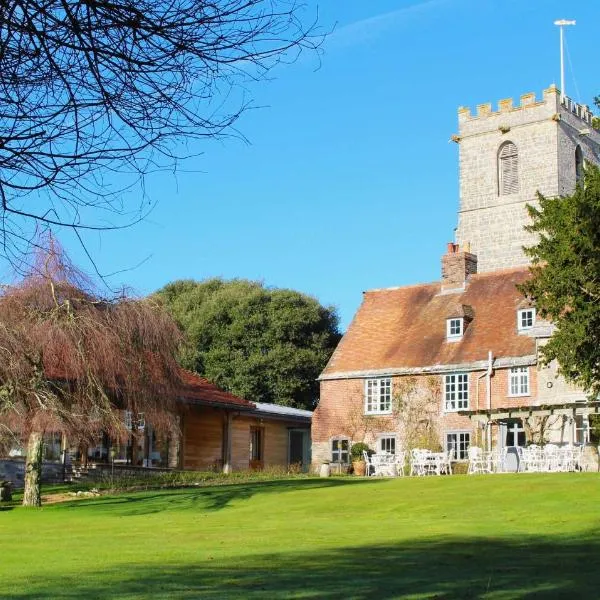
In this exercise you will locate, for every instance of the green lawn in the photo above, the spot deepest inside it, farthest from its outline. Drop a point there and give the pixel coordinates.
(500, 537)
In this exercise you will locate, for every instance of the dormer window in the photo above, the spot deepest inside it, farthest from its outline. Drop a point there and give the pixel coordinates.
(455, 328)
(525, 319)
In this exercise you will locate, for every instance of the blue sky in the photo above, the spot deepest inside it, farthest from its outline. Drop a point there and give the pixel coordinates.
(348, 181)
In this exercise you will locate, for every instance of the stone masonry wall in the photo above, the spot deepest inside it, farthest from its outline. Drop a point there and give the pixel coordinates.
(546, 134)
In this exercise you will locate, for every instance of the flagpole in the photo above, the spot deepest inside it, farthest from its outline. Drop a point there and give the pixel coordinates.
(561, 23)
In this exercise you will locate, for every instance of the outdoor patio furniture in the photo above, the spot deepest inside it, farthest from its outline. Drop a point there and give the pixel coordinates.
(384, 464)
(425, 462)
(400, 461)
(370, 467)
(478, 462)
(445, 463)
(497, 460)
(418, 461)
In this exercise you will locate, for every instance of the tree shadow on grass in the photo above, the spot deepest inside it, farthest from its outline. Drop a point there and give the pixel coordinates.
(468, 568)
(206, 498)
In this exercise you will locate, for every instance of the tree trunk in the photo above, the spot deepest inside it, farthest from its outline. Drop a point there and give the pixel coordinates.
(33, 470)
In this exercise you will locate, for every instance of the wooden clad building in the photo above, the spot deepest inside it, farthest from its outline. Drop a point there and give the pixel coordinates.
(221, 431)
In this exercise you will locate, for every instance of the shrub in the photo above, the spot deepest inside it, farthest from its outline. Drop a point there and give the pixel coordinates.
(357, 450)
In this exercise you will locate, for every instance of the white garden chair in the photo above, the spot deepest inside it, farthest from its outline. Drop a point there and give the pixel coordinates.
(384, 464)
(578, 462)
(477, 462)
(445, 463)
(400, 461)
(370, 467)
(418, 462)
(552, 461)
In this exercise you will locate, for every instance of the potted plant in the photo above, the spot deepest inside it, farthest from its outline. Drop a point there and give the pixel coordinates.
(358, 460)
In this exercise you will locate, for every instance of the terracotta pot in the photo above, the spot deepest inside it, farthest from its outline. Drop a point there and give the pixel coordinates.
(360, 468)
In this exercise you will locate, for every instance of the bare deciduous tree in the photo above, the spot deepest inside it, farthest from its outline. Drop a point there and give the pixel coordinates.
(72, 361)
(94, 94)
(416, 409)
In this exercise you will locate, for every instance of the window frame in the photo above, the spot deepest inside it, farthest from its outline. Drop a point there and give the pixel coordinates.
(459, 403)
(461, 328)
(515, 376)
(504, 189)
(340, 451)
(581, 429)
(462, 454)
(520, 316)
(257, 444)
(390, 437)
(374, 393)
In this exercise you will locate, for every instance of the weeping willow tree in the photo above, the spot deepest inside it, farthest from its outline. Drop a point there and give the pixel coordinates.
(72, 361)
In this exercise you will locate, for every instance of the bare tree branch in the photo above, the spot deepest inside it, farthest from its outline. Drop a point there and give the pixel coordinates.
(95, 94)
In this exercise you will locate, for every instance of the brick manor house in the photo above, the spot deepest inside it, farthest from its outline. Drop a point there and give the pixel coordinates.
(456, 362)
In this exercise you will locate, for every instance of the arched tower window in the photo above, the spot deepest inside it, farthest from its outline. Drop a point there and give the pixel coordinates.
(578, 165)
(508, 169)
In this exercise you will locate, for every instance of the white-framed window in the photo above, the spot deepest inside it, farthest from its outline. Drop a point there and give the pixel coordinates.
(340, 450)
(518, 381)
(582, 429)
(378, 396)
(508, 169)
(387, 444)
(454, 328)
(456, 391)
(525, 318)
(457, 443)
(130, 423)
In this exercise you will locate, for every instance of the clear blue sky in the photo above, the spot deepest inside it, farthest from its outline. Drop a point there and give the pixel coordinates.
(349, 182)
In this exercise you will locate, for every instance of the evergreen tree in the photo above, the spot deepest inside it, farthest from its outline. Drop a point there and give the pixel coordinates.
(565, 283)
(266, 345)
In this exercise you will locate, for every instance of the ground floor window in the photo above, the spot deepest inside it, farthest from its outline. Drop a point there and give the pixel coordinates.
(340, 450)
(387, 444)
(457, 443)
(256, 443)
(582, 429)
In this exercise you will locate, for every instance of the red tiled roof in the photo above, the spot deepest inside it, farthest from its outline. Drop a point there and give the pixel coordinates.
(196, 388)
(406, 327)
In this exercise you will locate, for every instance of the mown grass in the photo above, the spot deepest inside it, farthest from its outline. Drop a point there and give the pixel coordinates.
(497, 537)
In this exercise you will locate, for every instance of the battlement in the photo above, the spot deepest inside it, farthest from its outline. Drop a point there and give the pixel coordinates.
(579, 110)
(550, 100)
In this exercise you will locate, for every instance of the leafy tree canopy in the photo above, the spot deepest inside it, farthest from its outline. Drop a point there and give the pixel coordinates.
(565, 282)
(266, 345)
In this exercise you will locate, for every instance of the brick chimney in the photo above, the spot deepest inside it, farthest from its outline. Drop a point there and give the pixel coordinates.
(457, 265)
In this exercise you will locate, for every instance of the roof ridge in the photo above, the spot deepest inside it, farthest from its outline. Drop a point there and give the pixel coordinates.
(503, 271)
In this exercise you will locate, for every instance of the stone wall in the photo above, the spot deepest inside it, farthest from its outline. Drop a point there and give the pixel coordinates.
(546, 134)
(13, 470)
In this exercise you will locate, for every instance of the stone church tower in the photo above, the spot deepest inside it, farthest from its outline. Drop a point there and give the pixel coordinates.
(509, 155)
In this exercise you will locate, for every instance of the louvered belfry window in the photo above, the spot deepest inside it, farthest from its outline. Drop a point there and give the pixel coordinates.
(508, 169)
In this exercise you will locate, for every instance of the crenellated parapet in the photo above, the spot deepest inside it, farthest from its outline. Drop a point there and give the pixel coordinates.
(550, 101)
